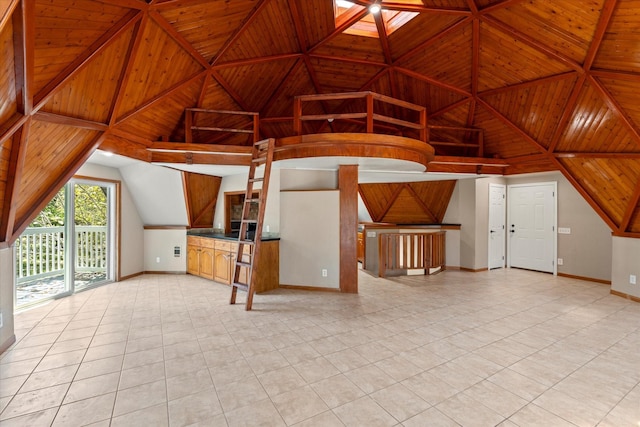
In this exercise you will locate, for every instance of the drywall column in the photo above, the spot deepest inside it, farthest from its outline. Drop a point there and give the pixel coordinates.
(7, 274)
(348, 186)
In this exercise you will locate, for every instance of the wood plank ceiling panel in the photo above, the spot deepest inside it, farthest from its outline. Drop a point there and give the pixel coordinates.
(417, 31)
(208, 25)
(595, 127)
(619, 48)
(566, 26)
(482, 4)
(5, 156)
(298, 83)
(64, 29)
(52, 148)
(337, 76)
(634, 222)
(610, 182)
(97, 82)
(317, 19)
(166, 117)
(160, 64)
(435, 195)
(433, 97)
(453, 65)
(625, 93)
(201, 193)
(8, 104)
(350, 46)
(500, 139)
(271, 33)
(406, 209)
(535, 108)
(378, 198)
(446, 4)
(257, 82)
(506, 61)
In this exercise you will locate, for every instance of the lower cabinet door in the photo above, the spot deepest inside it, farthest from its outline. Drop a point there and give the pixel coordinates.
(206, 263)
(222, 267)
(193, 260)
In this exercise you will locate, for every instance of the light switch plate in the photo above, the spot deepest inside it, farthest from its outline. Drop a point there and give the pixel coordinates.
(564, 230)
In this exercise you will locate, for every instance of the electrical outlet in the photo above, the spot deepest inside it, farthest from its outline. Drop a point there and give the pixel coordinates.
(632, 279)
(324, 272)
(560, 261)
(158, 259)
(1, 323)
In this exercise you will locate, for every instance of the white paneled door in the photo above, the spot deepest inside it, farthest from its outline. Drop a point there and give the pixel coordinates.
(531, 226)
(497, 223)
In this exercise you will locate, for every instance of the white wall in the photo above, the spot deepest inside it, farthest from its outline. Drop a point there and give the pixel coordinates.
(158, 250)
(301, 179)
(131, 226)
(310, 238)
(625, 261)
(467, 219)
(157, 192)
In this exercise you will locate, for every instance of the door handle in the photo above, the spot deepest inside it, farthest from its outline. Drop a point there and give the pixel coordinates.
(491, 231)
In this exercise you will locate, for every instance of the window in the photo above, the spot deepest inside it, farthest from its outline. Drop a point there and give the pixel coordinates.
(366, 26)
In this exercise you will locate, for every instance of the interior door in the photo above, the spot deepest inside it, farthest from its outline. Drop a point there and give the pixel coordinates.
(532, 224)
(497, 222)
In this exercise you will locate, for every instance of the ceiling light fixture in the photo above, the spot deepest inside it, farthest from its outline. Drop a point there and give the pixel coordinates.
(106, 153)
(375, 8)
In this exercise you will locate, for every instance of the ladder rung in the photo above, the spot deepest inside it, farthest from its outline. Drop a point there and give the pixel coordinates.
(243, 264)
(241, 286)
(259, 143)
(250, 221)
(256, 179)
(246, 242)
(259, 160)
(251, 200)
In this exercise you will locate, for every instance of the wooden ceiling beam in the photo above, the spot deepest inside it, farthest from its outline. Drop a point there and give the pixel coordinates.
(46, 195)
(585, 195)
(200, 148)
(432, 81)
(601, 28)
(254, 61)
(69, 121)
(383, 38)
(567, 112)
(421, 203)
(16, 167)
(616, 75)
(297, 23)
(615, 106)
(532, 142)
(497, 6)
(130, 4)
(405, 7)
(351, 60)
(179, 38)
(8, 128)
(629, 211)
(90, 53)
(475, 67)
(132, 51)
(241, 29)
(355, 17)
(159, 97)
(8, 13)
(131, 137)
(23, 49)
(282, 84)
(450, 107)
(597, 155)
(529, 83)
(533, 43)
(473, 7)
(392, 200)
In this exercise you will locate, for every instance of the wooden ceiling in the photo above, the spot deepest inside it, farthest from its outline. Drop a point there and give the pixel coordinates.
(553, 84)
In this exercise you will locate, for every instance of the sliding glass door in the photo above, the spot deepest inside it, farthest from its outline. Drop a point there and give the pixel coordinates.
(70, 246)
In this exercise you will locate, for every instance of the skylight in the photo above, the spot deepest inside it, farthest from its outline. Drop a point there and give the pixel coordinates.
(366, 26)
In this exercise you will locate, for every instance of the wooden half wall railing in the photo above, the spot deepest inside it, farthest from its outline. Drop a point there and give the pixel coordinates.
(411, 251)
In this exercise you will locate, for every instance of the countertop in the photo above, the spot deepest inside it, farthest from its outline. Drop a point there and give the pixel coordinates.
(266, 237)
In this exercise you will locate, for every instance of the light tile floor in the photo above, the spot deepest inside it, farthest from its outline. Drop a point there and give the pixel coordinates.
(506, 347)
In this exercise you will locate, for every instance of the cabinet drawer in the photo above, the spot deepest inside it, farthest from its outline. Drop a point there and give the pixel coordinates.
(194, 240)
(223, 245)
(207, 243)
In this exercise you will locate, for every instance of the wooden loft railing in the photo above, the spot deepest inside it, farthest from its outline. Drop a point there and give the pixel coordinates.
(190, 123)
(369, 115)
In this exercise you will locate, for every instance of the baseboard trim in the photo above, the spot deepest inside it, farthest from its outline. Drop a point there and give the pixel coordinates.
(588, 279)
(164, 272)
(8, 343)
(131, 276)
(625, 296)
(472, 270)
(309, 288)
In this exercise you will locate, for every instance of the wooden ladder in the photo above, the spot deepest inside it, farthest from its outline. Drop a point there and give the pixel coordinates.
(262, 154)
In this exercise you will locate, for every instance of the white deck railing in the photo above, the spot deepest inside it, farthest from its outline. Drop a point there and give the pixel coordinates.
(40, 251)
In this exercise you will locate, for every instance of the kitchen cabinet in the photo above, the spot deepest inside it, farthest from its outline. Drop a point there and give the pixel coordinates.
(214, 259)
